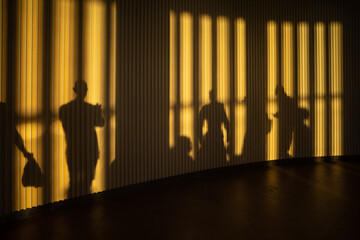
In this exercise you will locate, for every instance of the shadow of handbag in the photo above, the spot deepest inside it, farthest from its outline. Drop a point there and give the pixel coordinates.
(32, 176)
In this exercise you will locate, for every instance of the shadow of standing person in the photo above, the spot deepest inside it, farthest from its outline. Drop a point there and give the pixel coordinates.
(8, 137)
(79, 120)
(212, 147)
(180, 153)
(286, 116)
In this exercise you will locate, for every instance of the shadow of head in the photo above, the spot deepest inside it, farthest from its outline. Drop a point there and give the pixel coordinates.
(80, 88)
(279, 90)
(184, 144)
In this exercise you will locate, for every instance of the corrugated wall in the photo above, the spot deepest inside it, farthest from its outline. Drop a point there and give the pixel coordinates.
(98, 95)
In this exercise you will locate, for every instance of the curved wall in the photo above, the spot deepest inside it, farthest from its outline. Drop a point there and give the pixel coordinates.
(283, 77)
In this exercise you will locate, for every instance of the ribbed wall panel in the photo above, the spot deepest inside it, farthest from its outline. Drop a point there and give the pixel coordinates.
(28, 98)
(284, 76)
(3, 53)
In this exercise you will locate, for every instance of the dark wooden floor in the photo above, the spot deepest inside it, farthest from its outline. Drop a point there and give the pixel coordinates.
(317, 199)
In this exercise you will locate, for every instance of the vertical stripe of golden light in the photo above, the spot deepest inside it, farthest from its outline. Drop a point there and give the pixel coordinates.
(17, 81)
(186, 77)
(240, 84)
(272, 140)
(63, 93)
(63, 78)
(57, 133)
(272, 105)
(112, 81)
(17, 155)
(20, 103)
(172, 78)
(94, 49)
(287, 57)
(39, 93)
(36, 91)
(223, 67)
(320, 90)
(25, 86)
(205, 59)
(3, 49)
(28, 101)
(2, 37)
(336, 88)
(303, 68)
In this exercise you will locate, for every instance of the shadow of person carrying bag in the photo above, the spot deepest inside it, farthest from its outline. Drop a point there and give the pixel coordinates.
(32, 176)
